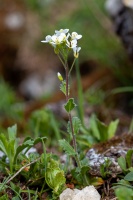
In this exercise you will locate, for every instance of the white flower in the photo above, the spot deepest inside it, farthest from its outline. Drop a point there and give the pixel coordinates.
(63, 37)
(76, 51)
(61, 31)
(47, 39)
(56, 40)
(71, 44)
(75, 36)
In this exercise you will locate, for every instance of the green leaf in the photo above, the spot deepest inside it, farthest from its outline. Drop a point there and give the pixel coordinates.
(112, 128)
(123, 183)
(4, 144)
(63, 87)
(12, 132)
(129, 158)
(103, 130)
(55, 177)
(4, 197)
(130, 169)
(9, 144)
(76, 174)
(122, 89)
(59, 180)
(67, 147)
(39, 139)
(122, 163)
(21, 148)
(15, 187)
(94, 127)
(129, 176)
(76, 125)
(16, 198)
(27, 144)
(124, 193)
(70, 105)
(131, 127)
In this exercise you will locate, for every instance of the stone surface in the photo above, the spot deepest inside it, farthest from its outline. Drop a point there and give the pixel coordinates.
(87, 193)
(67, 194)
(113, 7)
(121, 12)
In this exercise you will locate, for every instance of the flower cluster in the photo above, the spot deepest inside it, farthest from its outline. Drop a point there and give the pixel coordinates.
(63, 37)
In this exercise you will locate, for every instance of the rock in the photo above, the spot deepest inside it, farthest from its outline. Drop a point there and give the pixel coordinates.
(86, 193)
(128, 3)
(121, 12)
(67, 194)
(113, 7)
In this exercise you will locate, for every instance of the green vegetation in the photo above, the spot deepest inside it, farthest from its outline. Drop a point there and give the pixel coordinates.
(60, 144)
(124, 186)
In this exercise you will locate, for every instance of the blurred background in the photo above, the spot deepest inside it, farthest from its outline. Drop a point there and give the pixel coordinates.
(28, 67)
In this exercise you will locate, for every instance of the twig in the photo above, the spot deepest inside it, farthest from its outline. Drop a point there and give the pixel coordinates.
(21, 170)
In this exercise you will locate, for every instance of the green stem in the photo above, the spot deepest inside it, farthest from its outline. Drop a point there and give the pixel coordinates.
(67, 81)
(74, 141)
(45, 154)
(61, 61)
(72, 66)
(70, 117)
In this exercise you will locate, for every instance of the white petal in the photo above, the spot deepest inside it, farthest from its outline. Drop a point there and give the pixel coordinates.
(78, 49)
(54, 38)
(75, 35)
(73, 43)
(61, 31)
(74, 49)
(62, 37)
(44, 41)
(66, 30)
(79, 36)
(47, 39)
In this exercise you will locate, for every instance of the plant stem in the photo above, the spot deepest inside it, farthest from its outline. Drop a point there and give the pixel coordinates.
(22, 169)
(70, 117)
(61, 61)
(72, 66)
(67, 81)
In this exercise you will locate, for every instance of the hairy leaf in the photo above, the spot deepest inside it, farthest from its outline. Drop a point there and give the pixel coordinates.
(70, 105)
(76, 125)
(67, 147)
(63, 87)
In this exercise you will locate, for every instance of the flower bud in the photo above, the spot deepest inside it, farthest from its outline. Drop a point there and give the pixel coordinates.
(59, 76)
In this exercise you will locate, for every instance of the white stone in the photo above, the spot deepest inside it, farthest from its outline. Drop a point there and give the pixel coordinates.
(87, 193)
(113, 6)
(14, 20)
(128, 3)
(36, 85)
(67, 194)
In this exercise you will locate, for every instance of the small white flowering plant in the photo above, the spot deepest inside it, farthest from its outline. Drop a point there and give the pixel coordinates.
(65, 43)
